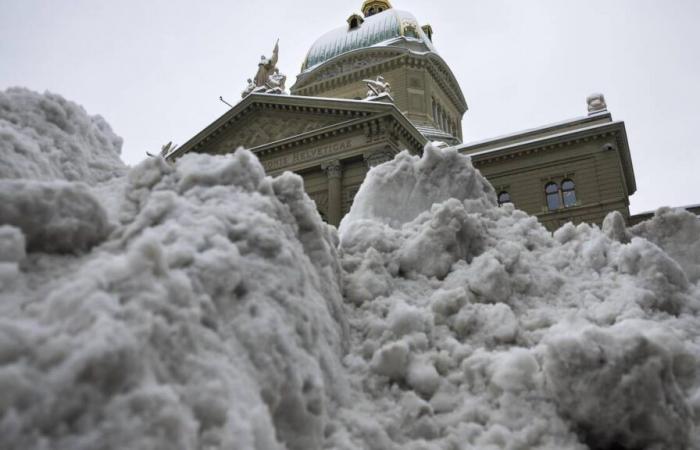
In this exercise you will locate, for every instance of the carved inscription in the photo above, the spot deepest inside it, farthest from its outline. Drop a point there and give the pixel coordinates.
(305, 155)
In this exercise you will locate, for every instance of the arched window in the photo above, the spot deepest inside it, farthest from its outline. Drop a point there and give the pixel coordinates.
(503, 198)
(553, 198)
(568, 193)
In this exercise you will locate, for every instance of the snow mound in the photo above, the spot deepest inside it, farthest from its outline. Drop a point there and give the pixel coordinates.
(44, 136)
(55, 217)
(618, 385)
(475, 328)
(203, 305)
(211, 318)
(678, 232)
(399, 192)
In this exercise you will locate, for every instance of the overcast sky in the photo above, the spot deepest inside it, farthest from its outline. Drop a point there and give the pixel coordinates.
(156, 68)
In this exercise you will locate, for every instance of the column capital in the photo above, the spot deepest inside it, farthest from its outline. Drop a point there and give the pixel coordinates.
(333, 169)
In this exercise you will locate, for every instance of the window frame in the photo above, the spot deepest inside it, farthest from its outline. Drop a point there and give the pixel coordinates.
(568, 190)
(563, 194)
(504, 193)
(553, 194)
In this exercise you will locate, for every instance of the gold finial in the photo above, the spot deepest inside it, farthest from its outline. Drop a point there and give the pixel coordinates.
(371, 7)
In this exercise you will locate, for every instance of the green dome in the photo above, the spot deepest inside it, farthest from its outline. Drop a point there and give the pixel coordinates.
(381, 29)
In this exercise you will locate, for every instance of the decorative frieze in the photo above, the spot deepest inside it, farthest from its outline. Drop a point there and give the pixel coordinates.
(306, 155)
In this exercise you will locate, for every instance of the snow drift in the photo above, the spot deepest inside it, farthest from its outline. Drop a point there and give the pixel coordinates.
(485, 331)
(208, 306)
(44, 136)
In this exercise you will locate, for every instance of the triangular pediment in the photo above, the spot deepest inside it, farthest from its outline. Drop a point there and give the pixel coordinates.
(260, 119)
(262, 126)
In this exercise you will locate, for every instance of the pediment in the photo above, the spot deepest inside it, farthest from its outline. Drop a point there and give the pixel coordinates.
(262, 120)
(264, 126)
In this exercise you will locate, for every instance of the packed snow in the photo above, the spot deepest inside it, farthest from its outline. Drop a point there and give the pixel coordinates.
(201, 304)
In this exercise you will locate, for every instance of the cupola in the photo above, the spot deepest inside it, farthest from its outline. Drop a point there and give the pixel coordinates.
(372, 7)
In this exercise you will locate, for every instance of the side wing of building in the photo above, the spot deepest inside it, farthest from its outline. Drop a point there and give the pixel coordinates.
(579, 170)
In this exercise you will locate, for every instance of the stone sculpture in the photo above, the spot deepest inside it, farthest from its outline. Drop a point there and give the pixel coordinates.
(378, 87)
(268, 79)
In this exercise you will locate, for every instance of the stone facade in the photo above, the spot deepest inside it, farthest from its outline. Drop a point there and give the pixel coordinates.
(590, 154)
(330, 133)
(330, 143)
(422, 87)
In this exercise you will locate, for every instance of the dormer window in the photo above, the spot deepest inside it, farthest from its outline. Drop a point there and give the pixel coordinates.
(354, 21)
(409, 30)
(372, 7)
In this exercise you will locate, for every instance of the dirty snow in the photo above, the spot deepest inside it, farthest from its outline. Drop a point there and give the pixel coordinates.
(203, 305)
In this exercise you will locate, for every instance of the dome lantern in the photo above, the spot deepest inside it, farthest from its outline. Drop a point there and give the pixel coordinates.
(372, 7)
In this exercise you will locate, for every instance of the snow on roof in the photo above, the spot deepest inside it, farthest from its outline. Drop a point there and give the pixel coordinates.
(539, 138)
(542, 131)
(377, 30)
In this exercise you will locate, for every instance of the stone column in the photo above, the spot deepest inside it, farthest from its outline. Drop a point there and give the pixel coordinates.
(334, 170)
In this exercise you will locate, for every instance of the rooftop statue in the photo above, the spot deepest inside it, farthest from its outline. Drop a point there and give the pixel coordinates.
(268, 78)
(266, 67)
(276, 82)
(378, 87)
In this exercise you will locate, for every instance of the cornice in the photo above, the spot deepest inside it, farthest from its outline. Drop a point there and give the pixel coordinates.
(546, 143)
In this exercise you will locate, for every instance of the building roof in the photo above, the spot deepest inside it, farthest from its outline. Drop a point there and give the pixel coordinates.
(435, 134)
(534, 134)
(382, 29)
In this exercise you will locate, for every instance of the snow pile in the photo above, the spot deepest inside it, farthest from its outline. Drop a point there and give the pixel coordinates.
(44, 136)
(56, 217)
(207, 306)
(210, 319)
(476, 328)
(678, 233)
(188, 306)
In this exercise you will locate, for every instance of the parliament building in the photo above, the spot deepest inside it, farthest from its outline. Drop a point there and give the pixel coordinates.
(376, 85)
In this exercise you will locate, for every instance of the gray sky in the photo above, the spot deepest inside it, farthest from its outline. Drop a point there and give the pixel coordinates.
(155, 68)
